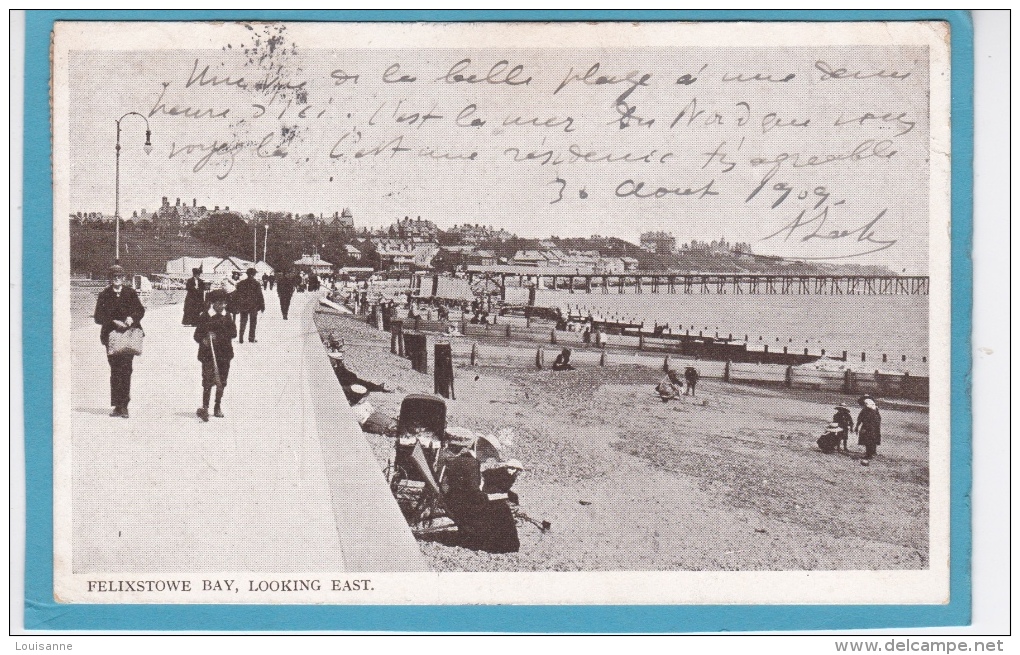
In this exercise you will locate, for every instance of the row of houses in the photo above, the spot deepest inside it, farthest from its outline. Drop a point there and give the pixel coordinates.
(584, 261)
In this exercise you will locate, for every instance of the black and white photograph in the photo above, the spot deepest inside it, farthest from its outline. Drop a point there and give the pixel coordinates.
(501, 313)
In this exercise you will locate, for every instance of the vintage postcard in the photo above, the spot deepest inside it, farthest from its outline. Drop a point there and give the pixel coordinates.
(651, 313)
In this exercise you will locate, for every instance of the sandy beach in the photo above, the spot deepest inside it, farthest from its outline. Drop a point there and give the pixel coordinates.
(729, 480)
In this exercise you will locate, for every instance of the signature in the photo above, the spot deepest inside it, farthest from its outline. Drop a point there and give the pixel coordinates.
(814, 227)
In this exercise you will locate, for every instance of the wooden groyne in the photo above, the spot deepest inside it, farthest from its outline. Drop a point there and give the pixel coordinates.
(723, 359)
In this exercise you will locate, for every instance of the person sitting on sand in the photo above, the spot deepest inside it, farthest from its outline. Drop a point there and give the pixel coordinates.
(562, 362)
(481, 525)
(670, 387)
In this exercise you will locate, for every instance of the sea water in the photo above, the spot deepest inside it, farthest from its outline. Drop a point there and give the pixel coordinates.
(893, 325)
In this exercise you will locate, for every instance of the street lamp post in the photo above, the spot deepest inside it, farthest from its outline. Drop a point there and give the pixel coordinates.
(116, 182)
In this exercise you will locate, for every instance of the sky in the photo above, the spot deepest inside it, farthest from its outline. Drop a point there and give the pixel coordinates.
(804, 152)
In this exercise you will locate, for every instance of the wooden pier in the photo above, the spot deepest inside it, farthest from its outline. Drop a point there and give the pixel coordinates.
(703, 283)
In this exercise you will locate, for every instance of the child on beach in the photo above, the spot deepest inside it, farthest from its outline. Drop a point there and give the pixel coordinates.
(215, 334)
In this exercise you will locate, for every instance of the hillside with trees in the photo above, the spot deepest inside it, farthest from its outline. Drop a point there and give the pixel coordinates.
(141, 251)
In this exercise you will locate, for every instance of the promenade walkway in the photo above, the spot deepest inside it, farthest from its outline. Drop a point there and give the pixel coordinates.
(284, 483)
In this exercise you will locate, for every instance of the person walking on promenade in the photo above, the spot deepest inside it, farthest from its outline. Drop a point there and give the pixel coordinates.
(691, 375)
(215, 336)
(118, 308)
(285, 289)
(248, 302)
(194, 300)
(845, 421)
(869, 427)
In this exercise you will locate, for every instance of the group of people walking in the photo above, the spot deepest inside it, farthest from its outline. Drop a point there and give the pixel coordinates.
(214, 313)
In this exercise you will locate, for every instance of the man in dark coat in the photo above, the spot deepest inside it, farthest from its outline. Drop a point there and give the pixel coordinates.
(194, 301)
(215, 336)
(869, 427)
(248, 302)
(118, 308)
(285, 289)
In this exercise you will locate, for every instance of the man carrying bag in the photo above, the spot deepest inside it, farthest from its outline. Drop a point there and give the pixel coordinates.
(120, 312)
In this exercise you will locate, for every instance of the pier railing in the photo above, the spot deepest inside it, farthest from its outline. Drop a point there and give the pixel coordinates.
(702, 283)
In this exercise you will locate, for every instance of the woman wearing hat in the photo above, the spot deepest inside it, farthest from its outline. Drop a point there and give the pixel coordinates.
(118, 308)
(194, 301)
(869, 427)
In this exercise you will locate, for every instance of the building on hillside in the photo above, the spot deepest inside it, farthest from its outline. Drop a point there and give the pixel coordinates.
(314, 264)
(452, 258)
(403, 254)
(536, 258)
(661, 243)
(352, 252)
(416, 230)
(608, 265)
(629, 264)
(477, 233)
(480, 258)
(393, 254)
(342, 221)
(719, 247)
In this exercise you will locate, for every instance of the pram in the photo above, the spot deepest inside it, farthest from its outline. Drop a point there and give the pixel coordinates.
(421, 430)
(432, 503)
(422, 421)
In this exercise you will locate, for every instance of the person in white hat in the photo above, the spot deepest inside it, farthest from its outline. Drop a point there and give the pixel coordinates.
(118, 308)
(869, 427)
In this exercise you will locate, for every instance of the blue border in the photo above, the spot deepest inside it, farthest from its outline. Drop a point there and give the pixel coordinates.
(42, 614)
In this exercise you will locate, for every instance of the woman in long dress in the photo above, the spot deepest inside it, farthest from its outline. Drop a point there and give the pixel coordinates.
(869, 427)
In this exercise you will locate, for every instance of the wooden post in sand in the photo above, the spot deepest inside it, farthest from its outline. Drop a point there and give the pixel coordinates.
(552, 336)
(443, 372)
(474, 354)
(416, 344)
(789, 376)
(602, 358)
(665, 364)
(539, 358)
(726, 372)
(397, 337)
